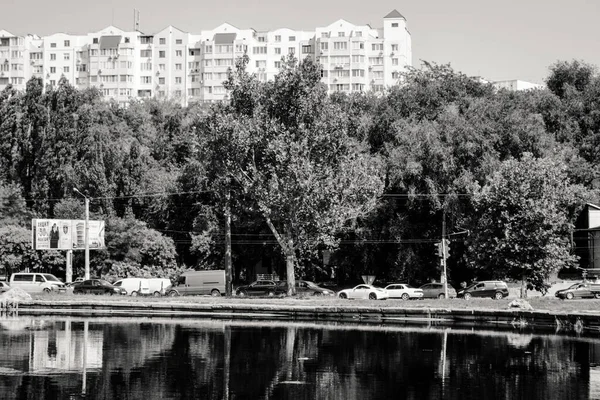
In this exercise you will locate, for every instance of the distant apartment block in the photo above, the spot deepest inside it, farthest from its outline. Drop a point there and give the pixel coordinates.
(191, 67)
(516, 84)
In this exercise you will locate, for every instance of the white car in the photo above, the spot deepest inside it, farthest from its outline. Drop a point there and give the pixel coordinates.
(403, 291)
(364, 292)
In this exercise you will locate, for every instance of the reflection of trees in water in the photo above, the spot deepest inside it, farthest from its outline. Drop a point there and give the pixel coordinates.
(191, 361)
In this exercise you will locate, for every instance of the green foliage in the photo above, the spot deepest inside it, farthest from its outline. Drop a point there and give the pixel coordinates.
(565, 75)
(521, 228)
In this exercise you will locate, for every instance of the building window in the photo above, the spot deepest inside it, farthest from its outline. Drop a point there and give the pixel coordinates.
(52, 70)
(394, 61)
(259, 50)
(324, 35)
(306, 49)
(162, 40)
(95, 40)
(292, 38)
(358, 34)
(161, 54)
(261, 63)
(67, 43)
(144, 40)
(340, 45)
(278, 38)
(277, 50)
(324, 46)
(66, 69)
(178, 79)
(394, 47)
(146, 53)
(277, 64)
(178, 53)
(52, 57)
(126, 40)
(262, 39)
(341, 34)
(146, 79)
(53, 82)
(208, 49)
(394, 24)
(53, 45)
(82, 67)
(178, 41)
(291, 50)
(377, 47)
(178, 67)
(67, 56)
(161, 81)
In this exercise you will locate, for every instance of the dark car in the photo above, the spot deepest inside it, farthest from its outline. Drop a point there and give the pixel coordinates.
(4, 287)
(581, 290)
(97, 286)
(436, 291)
(307, 288)
(491, 289)
(261, 288)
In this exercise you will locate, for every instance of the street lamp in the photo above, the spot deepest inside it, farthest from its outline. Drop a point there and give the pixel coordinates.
(87, 233)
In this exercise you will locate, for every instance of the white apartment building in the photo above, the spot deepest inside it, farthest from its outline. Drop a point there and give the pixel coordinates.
(515, 85)
(192, 67)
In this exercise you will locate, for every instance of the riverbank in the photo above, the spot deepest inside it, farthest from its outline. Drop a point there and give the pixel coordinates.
(548, 314)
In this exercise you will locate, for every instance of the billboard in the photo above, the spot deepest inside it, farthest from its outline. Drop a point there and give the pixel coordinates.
(66, 234)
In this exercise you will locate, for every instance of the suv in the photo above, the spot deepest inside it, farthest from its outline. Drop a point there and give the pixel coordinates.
(492, 289)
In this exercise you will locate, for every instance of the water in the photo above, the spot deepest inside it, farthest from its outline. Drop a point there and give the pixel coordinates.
(203, 359)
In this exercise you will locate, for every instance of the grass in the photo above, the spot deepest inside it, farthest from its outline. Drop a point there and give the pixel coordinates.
(545, 303)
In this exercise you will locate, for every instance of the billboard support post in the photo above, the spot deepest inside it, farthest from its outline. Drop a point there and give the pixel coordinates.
(69, 269)
(87, 238)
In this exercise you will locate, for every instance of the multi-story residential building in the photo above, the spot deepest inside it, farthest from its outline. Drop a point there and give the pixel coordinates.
(192, 67)
(516, 84)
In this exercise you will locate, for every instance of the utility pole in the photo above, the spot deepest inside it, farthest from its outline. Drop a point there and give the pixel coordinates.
(87, 233)
(444, 253)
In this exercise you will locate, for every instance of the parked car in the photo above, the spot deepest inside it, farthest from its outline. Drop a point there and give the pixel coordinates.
(97, 286)
(37, 282)
(436, 291)
(581, 290)
(199, 282)
(307, 288)
(492, 289)
(364, 292)
(4, 287)
(262, 288)
(403, 291)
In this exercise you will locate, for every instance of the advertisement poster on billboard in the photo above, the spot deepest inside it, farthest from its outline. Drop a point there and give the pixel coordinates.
(59, 234)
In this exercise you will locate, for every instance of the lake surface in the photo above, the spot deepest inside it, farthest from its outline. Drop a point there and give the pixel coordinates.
(73, 358)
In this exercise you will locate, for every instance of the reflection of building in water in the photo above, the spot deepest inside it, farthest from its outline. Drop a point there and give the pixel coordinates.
(63, 351)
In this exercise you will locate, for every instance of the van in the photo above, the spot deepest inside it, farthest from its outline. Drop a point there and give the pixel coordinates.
(199, 282)
(134, 286)
(32, 282)
(159, 286)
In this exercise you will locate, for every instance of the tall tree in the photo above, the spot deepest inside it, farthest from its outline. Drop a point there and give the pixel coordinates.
(308, 177)
(523, 221)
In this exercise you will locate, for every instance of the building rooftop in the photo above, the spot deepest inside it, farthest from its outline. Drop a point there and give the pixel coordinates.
(394, 14)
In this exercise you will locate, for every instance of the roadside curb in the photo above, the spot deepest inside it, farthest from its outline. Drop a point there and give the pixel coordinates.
(545, 320)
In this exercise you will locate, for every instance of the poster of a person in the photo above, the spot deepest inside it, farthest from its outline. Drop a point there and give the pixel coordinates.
(54, 236)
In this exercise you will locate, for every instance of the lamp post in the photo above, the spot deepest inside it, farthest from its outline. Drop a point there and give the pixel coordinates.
(87, 233)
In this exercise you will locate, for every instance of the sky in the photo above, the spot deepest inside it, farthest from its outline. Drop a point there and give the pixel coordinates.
(497, 40)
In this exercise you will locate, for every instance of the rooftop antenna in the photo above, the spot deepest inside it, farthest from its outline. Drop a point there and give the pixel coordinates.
(136, 20)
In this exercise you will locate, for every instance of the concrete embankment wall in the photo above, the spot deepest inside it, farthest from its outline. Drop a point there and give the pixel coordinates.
(513, 318)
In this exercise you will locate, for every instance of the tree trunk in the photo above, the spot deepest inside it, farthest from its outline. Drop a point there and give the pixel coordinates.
(523, 287)
(228, 266)
(289, 264)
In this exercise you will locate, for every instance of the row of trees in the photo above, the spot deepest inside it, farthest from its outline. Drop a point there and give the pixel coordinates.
(283, 173)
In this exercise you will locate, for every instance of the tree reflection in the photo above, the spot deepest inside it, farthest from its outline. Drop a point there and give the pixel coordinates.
(232, 360)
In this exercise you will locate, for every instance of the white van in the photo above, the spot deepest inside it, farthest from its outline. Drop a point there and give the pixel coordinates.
(199, 282)
(159, 286)
(32, 282)
(134, 286)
